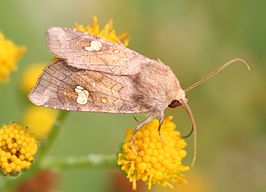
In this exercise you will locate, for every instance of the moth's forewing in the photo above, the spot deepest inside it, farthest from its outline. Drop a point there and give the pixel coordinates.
(57, 88)
(112, 58)
(110, 78)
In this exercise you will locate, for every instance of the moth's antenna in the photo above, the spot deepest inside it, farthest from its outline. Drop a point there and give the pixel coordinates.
(188, 135)
(215, 72)
(194, 128)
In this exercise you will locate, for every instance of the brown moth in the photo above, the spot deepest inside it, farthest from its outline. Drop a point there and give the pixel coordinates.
(93, 74)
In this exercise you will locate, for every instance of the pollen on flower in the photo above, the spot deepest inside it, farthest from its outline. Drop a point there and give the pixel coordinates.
(155, 162)
(9, 55)
(108, 31)
(17, 148)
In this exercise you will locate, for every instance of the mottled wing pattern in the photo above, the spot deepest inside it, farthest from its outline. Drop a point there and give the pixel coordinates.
(112, 58)
(57, 88)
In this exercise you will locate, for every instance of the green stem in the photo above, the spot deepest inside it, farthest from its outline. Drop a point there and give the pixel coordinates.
(91, 160)
(35, 167)
(45, 147)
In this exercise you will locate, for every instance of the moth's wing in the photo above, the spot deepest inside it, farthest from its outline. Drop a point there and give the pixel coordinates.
(57, 88)
(113, 58)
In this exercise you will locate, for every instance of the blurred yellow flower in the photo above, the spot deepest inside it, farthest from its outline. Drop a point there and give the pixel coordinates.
(155, 162)
(108, 31)
(30, 77)
(9, 55)
(17, 148)
(198, 182)
(40, 120)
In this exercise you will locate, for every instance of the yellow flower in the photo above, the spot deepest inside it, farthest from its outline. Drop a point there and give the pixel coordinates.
(9, 55)
(154, 162)
(40, 120)
(30, 76)
(17, 148)
(107, 32)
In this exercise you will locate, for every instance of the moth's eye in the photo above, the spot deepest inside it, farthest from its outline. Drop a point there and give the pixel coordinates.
(175, 103)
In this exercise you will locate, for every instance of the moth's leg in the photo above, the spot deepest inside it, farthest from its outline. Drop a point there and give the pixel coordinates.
(149, 118)
(160, 126)
(136, 119)
(161, 122)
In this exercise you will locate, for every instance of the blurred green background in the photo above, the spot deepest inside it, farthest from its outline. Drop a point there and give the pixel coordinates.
(193, 38)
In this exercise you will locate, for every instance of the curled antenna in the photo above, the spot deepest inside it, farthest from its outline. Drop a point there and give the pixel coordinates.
(216, 71)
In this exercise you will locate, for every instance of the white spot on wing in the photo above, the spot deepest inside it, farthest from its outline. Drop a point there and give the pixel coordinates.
(95, 46)
(83, 94)
(79, 89)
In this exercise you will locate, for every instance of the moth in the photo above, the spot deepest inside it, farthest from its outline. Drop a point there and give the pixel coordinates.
(93, 74)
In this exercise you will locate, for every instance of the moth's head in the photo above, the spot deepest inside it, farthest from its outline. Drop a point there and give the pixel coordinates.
(180, 96)
(175, 103)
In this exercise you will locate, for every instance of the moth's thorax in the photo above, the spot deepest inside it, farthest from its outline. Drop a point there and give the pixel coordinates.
(158, 85)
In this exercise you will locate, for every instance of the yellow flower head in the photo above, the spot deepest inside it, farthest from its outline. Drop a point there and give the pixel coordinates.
(30, 77)
(17, 148)
(155, 161)
(107, 32)
(40, 120)
(9, 55)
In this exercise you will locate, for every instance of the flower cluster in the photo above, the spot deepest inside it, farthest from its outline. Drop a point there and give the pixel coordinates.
(154, 161)
(9, 55)
(17, 148)
(107, 32)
